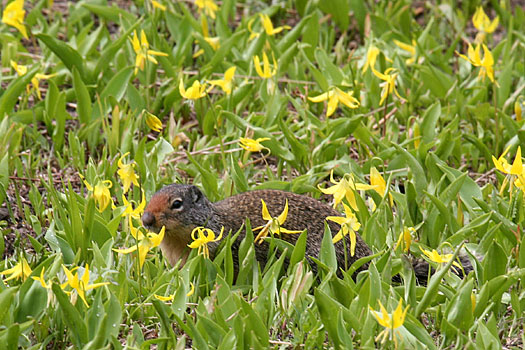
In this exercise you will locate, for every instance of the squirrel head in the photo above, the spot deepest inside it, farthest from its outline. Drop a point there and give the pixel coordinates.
(180, 208)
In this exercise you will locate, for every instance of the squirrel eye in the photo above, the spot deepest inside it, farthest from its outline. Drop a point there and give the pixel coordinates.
(176, 204)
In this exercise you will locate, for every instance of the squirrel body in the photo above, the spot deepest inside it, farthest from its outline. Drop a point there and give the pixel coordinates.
(181, 208)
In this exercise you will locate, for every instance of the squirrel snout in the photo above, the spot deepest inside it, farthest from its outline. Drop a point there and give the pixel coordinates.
(148, 219)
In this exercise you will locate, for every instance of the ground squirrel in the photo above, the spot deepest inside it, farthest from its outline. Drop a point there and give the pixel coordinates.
(181, 208)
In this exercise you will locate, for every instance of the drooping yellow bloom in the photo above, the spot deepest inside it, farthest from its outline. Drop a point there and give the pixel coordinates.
(19, 271)
(142, 50)
(371, 57)
(40, 279)
(266, 72)
(204, 236)
(518, 108)
(127, 173)
(274, 224)
(208, 6)
(483, 23)
(334, 96)
(390, 322)
(137, 212)
(268, 26)
(405, 238)
(515, 172)
(13, 15)
(252, 145)
(100, 193)
(502, 165)
(349, 226)
(345, 188)
(411, 49)
(213, 41)
(379, 184)
(151, 240)
(172, 296)
(81, 285)
(19, 68)
(158, 5)
(22, 70)
(196, 91)
(226, 82)
(439, 258)
(486, 64)
(389, 84)
(152, 121)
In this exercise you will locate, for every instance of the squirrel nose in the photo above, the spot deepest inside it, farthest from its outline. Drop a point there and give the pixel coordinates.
(148, 219)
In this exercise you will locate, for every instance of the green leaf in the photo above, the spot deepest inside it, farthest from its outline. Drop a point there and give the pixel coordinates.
(83, 98)
(428, 125)
(110, 13)
(327, 253)
(339, 10)
(69, 56)
(11, 94)
(6, 298)
(116, 88)
(72, 318)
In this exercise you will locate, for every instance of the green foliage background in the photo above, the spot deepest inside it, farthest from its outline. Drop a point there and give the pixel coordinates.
(434, 146)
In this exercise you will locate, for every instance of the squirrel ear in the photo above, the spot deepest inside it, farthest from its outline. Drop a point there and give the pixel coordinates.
(196, 194)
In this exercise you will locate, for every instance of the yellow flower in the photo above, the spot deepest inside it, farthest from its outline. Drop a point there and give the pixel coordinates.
(40, 279)
(274, 224)
(204, 236)
(145, 243)
(19, 271)
(417, 135)
(405, 238)
(345, 188)
(22, 70)
(152, 121)
(379, 184)
(208, 6)
(268, 26)
(334, 96)
(172, 296)
(35, 81)
(142, 51)
(266, 72)
(371, 56)
(100, 193)
(349, 225)
(389, 84)
(252, 145)
(515, 172)
(253, 34)
(439, 258)
(19, 68)
(214, 42)
(14, 16)
(196, 91)
(486, 64)
(127, 173)
(81, 285)
(502, 165)
(518, 108)
(137, 212)
(390, 322)
(410, 49)
(226, 83)
(158, 5)
(483, 23)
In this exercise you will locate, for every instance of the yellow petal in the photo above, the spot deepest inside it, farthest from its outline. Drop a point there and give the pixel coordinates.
(282, 217)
